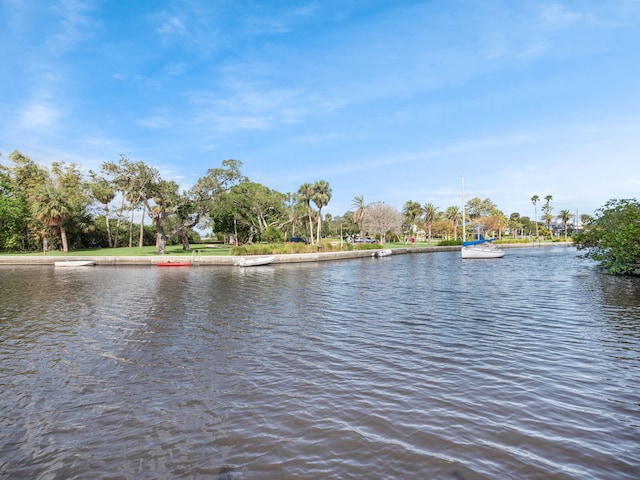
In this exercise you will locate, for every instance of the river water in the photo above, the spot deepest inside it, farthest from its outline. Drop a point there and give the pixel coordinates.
(410, 366)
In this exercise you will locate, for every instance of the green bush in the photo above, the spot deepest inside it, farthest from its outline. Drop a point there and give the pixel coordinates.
(450, 243)
(613, 237)
(284, 248)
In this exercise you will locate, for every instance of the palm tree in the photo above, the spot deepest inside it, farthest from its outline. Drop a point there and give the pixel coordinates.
(305, 192)
(453, 215)
(359, 214)
(430, 212)
(565, 216)
(534, 200)
(547, 212)
(411, 211)
(321, 196)
(50, 207)
(104, 193)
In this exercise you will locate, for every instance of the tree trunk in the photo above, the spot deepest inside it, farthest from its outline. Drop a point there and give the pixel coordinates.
(161, 235)
(161, 243)
(311, 227)
(319, 225)
(131, 228)
(185, 241)
(141, 240)
(117, 234)
(106, 221)
(63, 237)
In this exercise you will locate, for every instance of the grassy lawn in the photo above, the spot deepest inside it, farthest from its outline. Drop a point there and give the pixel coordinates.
(203, 250)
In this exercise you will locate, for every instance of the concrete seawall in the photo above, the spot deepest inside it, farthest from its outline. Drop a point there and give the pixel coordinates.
(207, 260)
(197, 260)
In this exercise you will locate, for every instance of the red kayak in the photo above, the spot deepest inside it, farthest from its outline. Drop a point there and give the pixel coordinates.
(173, 264)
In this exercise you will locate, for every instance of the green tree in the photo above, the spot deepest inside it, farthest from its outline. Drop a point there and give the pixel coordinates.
(535, 199)
(360, 211)
(104, 193)
(564, 217)
(49, 206)
(321, 197)
(412, 210)
(172, 212)
(14, 214)
(250, 209)
(59, 199)
(548, 217)
(24, 177)
(515, 224)
(430, 212)
(613, 237)
(454, 216)
(305, 194)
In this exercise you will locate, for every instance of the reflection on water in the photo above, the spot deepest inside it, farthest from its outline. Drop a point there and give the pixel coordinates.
(411, 366)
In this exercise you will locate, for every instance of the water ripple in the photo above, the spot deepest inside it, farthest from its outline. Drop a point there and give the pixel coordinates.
(413, 366)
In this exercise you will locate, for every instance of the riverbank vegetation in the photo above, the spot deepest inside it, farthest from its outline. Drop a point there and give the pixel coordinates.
(128, 203)
(613, 237)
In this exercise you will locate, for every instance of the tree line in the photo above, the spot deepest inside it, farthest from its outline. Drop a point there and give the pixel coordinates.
(63, 208)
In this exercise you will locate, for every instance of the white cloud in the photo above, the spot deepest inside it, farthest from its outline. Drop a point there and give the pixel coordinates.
(38, 115)
(75, 24)
(557, 15)
(155, 122)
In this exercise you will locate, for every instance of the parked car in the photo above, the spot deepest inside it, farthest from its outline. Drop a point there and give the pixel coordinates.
(298, 240)
(364, 240)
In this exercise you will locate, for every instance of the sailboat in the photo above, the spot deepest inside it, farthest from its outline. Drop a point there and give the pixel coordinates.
(481, 248)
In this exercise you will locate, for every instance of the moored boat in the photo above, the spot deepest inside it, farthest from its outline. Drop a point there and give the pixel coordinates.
(173, 263)
(254, 261)
(481, 249)
(382, 253)
(74, 263)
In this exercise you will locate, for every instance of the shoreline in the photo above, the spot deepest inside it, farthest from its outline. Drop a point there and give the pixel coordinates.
(196, 260)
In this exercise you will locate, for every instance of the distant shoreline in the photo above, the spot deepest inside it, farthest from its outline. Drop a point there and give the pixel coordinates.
(196, 260)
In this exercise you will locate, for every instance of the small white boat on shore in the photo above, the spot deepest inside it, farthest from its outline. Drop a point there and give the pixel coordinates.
(75, 263)
(382, 253)
(254, 261)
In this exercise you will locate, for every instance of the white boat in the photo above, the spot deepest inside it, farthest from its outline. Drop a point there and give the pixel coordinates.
(254, 261)
(75, 263)
(381, 253)
(481, 249)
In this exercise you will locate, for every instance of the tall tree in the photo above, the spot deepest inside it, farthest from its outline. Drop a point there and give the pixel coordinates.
(412, 211)
(382, 218)
(250, 209)
(49, 206)
(305, 194)
(104, 193)
(59, 199)
(564, 217)
(535, 200)
(453, 214)
(321, 196)
(546, 208)
(14, 213)
(360, 210)
(430, 212)
(171, 210)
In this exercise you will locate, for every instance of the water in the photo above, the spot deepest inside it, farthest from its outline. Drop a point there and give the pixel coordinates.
(410, 366)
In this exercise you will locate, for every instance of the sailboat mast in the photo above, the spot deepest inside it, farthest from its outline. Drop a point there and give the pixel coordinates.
(464, 227)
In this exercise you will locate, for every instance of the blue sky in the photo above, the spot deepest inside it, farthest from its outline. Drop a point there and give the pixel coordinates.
(392, 100)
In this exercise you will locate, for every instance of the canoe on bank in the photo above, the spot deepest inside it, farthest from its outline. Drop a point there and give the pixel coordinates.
(173, 264)
(74, 263)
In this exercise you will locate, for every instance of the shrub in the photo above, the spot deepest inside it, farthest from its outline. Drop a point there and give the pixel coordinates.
(613, 237)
